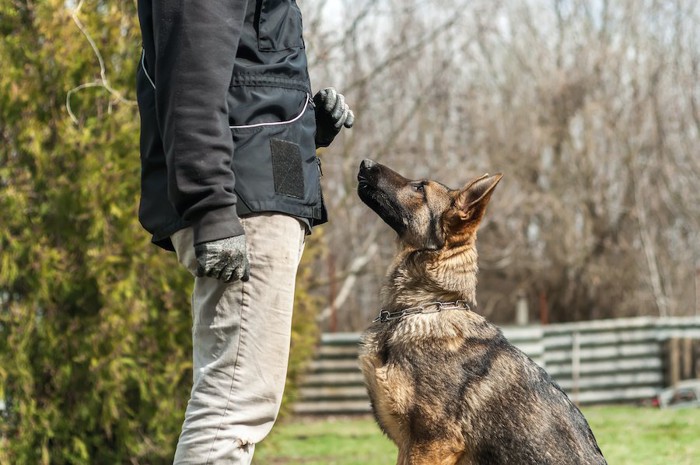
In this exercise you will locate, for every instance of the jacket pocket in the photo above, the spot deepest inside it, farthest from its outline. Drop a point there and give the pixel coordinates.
(275, 159)
(279, 26)
(285, 150)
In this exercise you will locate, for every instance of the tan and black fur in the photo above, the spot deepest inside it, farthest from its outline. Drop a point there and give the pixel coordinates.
(447, 387)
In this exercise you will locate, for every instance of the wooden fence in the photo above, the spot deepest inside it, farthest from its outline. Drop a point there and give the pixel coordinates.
(606, 361)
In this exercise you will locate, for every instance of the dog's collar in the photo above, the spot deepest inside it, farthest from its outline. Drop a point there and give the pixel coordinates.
(432, 307)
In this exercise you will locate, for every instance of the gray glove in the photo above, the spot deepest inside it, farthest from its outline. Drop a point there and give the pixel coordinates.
(332, 113)
(223, 259)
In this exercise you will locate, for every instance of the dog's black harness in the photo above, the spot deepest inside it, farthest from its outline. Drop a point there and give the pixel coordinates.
(432, 307)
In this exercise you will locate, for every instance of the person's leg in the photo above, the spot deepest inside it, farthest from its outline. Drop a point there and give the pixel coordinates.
(241, 335)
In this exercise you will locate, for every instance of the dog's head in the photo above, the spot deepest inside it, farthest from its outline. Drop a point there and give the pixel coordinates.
(426, 215)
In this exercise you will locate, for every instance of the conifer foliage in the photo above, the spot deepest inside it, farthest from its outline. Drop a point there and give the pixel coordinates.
(95, 325)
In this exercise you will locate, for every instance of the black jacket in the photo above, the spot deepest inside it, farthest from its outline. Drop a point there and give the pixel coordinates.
(227, 122)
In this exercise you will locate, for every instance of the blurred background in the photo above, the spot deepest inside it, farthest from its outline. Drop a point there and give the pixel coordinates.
(591, 109)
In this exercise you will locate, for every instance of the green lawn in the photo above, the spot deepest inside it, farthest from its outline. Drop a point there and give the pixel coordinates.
(627, 436)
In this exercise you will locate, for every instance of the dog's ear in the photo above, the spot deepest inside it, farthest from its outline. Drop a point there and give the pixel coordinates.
(472, 199)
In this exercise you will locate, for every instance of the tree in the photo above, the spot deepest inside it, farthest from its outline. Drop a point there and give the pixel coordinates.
(95, 336)
(95, 325)
(590, 110)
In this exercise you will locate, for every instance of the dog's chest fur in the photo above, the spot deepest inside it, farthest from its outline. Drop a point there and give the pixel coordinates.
(416, 366)
(452, 380)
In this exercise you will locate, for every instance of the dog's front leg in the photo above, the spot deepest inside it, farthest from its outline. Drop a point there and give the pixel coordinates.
(390, 401)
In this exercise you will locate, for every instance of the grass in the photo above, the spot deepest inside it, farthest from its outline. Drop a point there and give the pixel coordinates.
(626, 435)
(330, 442)
(646, 436)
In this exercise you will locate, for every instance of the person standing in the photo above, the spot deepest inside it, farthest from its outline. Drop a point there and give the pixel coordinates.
(230, 181)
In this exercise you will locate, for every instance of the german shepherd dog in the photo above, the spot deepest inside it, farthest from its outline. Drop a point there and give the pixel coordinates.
(444, 383)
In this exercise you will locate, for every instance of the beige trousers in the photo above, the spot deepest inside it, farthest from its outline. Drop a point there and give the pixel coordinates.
(241, 336)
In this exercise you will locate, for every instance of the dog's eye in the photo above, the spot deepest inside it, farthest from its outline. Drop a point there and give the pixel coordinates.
(418, 187)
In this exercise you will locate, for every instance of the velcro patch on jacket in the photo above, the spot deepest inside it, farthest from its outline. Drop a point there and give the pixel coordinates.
(287, 168)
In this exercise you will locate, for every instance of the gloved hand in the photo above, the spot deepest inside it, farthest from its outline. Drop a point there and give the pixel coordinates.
(332, 113)
(224, 259)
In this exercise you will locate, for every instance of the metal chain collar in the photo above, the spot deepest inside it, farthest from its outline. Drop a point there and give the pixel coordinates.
(432, 307)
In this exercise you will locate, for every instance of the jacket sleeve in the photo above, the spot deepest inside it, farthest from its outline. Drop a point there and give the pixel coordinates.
(195, 44)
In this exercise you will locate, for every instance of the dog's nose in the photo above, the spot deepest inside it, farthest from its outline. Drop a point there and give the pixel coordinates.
(367, 164)
(366, 170)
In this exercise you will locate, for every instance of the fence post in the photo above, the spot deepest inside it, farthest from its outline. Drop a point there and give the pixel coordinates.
(522, 313)
(687, 358)
(674, 359)
(575, 364)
